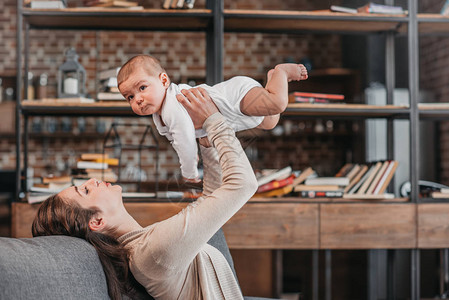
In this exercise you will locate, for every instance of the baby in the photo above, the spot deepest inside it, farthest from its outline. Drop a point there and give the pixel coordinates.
(242, 100)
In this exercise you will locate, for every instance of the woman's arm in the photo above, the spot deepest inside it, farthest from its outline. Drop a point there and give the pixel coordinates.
(181, 237)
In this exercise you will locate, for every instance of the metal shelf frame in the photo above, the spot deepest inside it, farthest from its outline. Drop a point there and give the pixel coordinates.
(215, 21)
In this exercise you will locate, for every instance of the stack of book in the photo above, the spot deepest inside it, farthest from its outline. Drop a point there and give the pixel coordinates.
(443, 193)
(371, 8)
(95, 165)
(47, 4)
(178, 4)
(370, 180)
(49, 186)
(352, 181)
(278, 183)
(322, 187)
(113, 3)
(300, 97)
(108, 86)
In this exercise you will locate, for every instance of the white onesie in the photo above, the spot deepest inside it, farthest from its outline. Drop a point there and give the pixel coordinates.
(179, 128)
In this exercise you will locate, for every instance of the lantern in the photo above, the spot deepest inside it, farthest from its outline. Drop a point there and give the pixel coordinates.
(71, 77)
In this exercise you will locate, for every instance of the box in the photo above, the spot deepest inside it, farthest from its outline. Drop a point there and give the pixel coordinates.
(8, 117)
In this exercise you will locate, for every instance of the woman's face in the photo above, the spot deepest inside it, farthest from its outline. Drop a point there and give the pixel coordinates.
(95, 194)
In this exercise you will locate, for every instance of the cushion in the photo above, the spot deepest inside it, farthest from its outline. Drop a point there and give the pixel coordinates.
(50, 267)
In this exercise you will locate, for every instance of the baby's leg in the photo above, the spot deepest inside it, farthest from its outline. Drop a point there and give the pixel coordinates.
(272, 99)
(269, 122)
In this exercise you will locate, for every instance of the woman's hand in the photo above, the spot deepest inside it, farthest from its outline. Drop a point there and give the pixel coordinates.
(198, 104)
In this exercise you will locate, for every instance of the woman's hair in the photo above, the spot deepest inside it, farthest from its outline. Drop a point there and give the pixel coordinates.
(59, 217)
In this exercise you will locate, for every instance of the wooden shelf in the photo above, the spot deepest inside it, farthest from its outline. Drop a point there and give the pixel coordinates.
(55, 108)
(118, 19)
(323, 21)
(325, 200)
(434, 111)
(433, 24)
(346, 111)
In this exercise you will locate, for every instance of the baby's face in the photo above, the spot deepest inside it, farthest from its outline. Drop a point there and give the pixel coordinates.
(145, 93)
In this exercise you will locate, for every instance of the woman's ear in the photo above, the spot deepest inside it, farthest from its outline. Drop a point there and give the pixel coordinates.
(164, 79)
(96, 223)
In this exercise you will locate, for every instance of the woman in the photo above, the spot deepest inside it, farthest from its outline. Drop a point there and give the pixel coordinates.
(170, 259)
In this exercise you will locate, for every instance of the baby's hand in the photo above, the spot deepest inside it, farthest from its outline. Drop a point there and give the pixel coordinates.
(198, 104)
(204, 141)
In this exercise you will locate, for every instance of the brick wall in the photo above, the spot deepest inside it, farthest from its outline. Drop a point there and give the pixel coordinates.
(434, 59)
(183, 55)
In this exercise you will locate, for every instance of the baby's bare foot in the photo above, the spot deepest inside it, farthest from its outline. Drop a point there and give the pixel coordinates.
(295, 72)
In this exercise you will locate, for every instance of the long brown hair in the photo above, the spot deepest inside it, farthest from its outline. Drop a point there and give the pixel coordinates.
(59, 217)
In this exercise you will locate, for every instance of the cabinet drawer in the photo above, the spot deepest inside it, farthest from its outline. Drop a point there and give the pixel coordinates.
(367, 226)
(274, 226)
(433, 225)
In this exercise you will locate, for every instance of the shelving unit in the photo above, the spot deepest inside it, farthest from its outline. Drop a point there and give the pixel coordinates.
(215, 21)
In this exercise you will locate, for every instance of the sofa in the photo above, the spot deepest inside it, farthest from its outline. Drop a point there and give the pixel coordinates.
(61, 267)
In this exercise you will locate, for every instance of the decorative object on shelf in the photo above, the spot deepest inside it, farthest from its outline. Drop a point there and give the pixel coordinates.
(167, 4)
(114, 141)
(71, 77)
(41, 87)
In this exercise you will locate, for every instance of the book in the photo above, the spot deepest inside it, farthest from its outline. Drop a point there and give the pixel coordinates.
(174, 4)
(344, 170)
(166, 4)
(354, 170)
(374, 8)
(439, 195)
(116, 3)
(385, 180)
(102, 96)
(109, 73)
(277, 175)
(48, 4)
(47, 190)
(303, 187)
(357, 186)
(275, 184)
(56, 179)
(91, 165)
(343, 9)
(108, 161)
(376, 179)
(314, 97)
(374, 169)
(356, 178)
(321, 194)
(368, 197)
(340, 181)
(275, 193)
(302, 176)
(93, 156)
(34, 197)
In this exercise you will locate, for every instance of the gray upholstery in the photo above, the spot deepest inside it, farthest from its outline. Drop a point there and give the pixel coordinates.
(53, 267)
(61, 267)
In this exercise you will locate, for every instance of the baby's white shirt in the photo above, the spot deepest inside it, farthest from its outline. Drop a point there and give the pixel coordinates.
(179, 128)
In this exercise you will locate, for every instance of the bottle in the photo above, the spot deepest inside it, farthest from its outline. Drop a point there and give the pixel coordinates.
(41, 89)
(30, 91)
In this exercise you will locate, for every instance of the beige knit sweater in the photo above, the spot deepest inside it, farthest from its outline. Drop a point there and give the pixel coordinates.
(172, 259)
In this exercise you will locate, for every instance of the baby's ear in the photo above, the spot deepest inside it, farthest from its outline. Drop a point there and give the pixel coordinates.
(164, 79)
